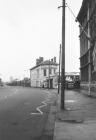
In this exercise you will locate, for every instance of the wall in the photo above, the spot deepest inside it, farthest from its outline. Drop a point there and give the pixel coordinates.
(37, 75)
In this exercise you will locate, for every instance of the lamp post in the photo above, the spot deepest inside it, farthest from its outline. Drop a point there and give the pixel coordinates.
(49, 75)
(59, 77)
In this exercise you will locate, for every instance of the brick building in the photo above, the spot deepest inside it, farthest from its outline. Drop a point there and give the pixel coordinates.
(87, 20)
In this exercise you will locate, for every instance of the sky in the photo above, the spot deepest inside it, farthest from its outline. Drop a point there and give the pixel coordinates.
(33, 28)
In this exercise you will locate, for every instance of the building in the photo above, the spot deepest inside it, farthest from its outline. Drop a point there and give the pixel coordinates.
(87, 20)
(44, 73)
(1, 83)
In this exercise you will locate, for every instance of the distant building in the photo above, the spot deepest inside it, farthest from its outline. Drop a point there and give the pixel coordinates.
(87, 19)
(44, 73)
(0, 80)
(1, 83)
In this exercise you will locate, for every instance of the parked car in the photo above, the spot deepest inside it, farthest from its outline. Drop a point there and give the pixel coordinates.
(72, 82)
(69, 84)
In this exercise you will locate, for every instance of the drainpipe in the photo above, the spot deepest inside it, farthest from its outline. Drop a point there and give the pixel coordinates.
(89, 47)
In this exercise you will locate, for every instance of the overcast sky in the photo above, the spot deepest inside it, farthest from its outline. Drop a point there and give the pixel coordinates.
(32, 28)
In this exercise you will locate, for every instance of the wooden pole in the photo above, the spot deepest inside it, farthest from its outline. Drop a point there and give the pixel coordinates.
(59, 69)
(63, 59)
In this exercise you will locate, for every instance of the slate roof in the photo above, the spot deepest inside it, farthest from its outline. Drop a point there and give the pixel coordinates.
(45, 63)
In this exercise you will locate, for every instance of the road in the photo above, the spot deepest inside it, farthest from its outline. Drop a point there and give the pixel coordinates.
(23, 112)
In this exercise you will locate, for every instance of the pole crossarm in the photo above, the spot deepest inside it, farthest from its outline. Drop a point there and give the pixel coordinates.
(60, 7)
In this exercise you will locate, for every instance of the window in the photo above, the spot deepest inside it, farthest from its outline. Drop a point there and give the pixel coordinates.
(44, 72)
(37, 73)
(54, 71)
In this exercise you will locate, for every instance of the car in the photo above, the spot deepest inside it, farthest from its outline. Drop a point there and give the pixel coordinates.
(72, 82)
(69, 84)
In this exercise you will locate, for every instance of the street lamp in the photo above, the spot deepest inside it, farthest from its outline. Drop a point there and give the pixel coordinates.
(59, 77)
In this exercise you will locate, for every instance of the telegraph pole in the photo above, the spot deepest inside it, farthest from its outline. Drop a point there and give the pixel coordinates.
(63, 58)
(59, 69)
(49, 75)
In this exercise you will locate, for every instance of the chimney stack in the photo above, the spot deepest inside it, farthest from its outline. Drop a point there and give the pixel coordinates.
(39, 60)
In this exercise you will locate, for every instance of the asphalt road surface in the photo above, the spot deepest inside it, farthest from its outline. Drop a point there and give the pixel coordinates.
(23, 112)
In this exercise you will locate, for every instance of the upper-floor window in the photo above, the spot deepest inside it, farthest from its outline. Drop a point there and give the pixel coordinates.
(37, 72)
(54, 71)
(44, 72)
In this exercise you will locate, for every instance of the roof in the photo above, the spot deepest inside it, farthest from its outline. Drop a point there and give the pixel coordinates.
(83, 10)
(47, 62)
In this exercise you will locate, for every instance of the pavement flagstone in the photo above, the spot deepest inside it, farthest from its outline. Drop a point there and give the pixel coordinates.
(78, 120)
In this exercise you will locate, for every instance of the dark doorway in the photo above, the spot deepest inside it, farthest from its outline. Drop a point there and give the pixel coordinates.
(51, 83)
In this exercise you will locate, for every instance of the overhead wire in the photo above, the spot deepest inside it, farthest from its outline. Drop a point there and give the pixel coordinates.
(82, 28)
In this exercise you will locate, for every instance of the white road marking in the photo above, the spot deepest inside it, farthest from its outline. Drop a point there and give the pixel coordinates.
(70, 101)
(45, 103)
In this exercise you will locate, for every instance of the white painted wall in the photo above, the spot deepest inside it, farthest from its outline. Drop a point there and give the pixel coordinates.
(37, 75)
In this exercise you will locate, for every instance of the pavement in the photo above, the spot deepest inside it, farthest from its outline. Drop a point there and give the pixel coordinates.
(78, 120)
